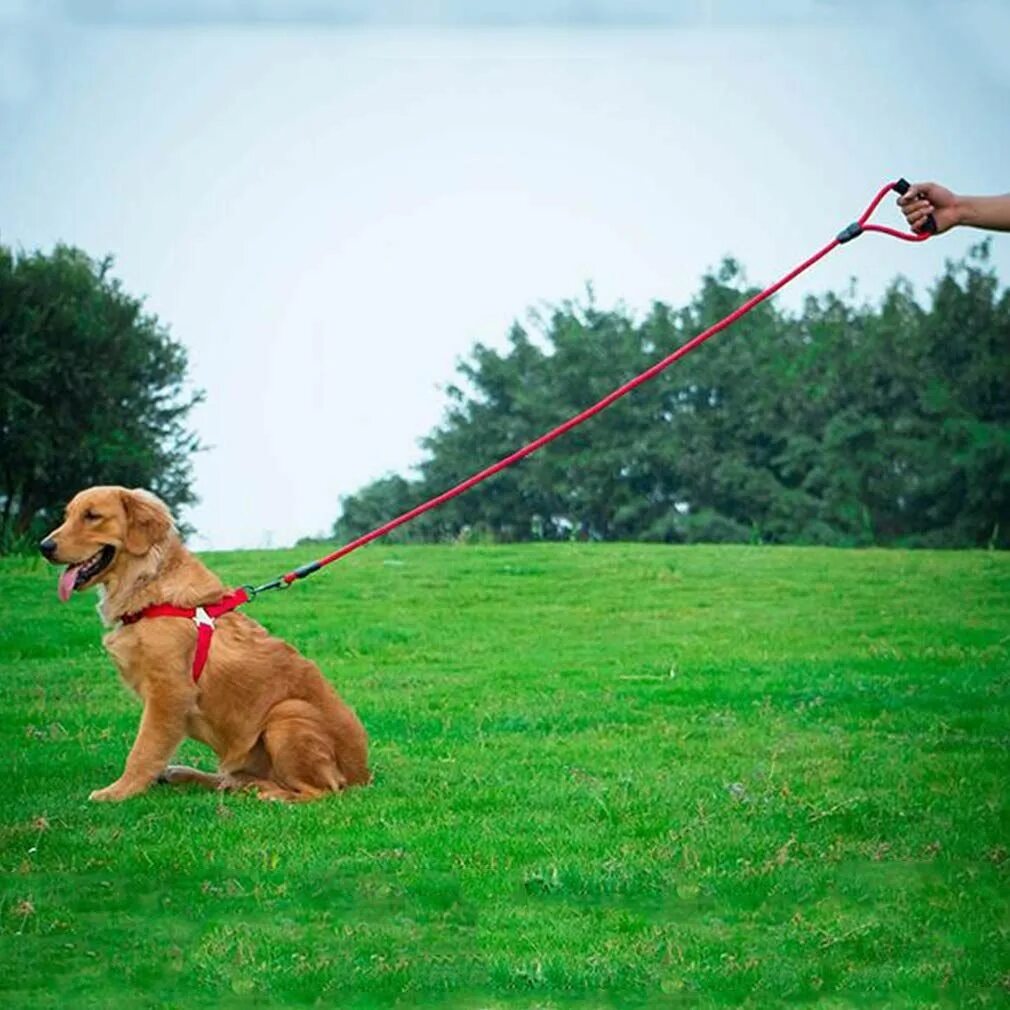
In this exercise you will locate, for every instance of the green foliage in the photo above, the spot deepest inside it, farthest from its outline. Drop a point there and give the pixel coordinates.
(843, 424)
(607, 776)
(91, 391)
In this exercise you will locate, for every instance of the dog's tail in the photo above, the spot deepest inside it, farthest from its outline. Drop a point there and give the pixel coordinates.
(350, 745)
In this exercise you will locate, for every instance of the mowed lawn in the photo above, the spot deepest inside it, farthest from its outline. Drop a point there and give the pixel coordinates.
(605, 776)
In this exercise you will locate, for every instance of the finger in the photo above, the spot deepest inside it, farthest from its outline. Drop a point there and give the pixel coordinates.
(923, 228)
(912, 203)
(916, 207)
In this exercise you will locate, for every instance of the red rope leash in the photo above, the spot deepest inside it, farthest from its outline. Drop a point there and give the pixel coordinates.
(846, 235)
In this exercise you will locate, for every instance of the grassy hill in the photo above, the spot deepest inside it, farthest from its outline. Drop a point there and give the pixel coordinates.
(606, 776)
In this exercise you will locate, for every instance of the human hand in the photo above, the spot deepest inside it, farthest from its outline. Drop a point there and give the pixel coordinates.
(925, 198)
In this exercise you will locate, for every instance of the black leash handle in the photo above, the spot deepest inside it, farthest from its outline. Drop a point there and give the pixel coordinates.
(901, 187)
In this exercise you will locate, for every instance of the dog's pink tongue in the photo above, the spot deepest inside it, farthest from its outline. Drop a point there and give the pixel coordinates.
(66, 584)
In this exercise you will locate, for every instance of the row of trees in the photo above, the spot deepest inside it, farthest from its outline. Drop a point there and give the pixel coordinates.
(845, 423)
(92, 391)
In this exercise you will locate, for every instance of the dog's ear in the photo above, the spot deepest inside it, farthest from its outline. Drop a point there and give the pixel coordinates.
(147, 520)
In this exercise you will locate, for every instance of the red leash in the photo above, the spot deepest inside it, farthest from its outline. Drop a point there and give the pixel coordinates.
(847, 234)
(204, 616)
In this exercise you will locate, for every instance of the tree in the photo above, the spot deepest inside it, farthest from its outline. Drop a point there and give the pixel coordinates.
(92, 391)
(844, 424)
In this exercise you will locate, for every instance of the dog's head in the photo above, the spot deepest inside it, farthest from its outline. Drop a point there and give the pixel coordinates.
(103, 531)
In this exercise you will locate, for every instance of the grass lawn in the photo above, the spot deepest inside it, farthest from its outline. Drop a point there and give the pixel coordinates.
(605, 776)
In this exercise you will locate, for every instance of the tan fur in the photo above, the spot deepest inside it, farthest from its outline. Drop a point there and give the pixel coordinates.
(275, 722)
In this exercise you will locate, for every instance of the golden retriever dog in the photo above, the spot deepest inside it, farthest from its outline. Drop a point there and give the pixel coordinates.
(275, 722)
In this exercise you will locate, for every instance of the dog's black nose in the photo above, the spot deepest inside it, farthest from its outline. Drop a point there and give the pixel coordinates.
(48, 548)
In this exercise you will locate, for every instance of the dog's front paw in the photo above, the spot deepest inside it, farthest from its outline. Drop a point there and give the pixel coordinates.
(114, 793)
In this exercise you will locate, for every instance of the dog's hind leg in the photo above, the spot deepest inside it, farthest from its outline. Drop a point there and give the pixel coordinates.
(303, 765)
(228, 781)
(250, 775)
(184, 775)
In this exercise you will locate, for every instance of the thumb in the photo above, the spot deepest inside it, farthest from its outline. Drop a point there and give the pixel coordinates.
(917, 191)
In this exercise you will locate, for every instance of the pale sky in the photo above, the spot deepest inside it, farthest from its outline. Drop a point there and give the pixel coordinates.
(328, 213)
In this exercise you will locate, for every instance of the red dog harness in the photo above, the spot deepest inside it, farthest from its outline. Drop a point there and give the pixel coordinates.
(202, 617)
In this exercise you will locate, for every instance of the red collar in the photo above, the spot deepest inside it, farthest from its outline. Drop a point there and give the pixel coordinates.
(203, 617)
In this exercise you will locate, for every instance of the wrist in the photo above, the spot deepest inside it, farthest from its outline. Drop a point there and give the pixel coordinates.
(964, 210)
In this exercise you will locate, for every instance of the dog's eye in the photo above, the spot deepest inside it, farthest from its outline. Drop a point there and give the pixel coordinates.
(91, 517)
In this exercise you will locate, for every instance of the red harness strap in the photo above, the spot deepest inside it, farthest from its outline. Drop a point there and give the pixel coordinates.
(202, 617)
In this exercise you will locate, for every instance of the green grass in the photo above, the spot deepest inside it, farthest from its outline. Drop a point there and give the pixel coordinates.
(605, 776)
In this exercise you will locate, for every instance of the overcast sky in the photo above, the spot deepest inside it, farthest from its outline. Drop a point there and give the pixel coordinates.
(329, 203)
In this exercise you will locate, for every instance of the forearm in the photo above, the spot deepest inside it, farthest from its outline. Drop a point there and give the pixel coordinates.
(992, 212)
